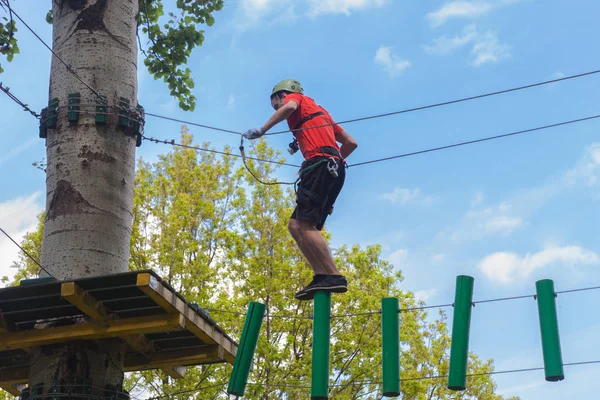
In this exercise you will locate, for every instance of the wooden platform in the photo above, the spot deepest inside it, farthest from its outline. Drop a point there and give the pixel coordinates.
(162, 330)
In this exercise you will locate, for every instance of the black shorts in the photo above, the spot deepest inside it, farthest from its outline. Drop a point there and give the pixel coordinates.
(317, 191)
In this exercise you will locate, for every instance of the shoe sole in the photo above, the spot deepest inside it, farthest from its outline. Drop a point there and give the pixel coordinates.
(334, 289)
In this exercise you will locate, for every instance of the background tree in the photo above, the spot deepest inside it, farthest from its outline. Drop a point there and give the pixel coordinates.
(221, 239)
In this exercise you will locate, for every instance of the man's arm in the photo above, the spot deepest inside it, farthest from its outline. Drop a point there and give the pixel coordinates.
(280, 115)
(349, 144)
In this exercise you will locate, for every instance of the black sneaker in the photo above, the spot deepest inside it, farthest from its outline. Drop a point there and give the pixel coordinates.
(335, 284)
(307, 293)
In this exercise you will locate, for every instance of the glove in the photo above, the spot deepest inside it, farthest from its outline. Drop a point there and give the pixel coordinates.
(253, 133)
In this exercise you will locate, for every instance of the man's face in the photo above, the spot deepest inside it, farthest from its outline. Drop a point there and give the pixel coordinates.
(277, 101)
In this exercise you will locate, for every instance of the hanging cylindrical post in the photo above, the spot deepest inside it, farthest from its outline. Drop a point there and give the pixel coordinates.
(553, 365)
(390, 328)
(246, 349)
(320, 348)
(461, 324)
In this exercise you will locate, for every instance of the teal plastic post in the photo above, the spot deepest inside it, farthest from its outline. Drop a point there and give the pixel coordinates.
(459, 349)
(553, 365)
(390, 328)
(246, 349)
(320, 348)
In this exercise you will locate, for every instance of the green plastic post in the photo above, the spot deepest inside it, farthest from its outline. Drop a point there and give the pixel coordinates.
(246, 349)
(390, 328)
(553, 365)
(459, 349)
(320, 348)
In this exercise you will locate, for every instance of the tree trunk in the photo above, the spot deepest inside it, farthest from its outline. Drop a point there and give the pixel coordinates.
(90, 173)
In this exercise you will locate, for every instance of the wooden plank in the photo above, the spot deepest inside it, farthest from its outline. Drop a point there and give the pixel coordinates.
(194, 321)
(195, 356)
(84, 301)
(6, 325)
(91, 330)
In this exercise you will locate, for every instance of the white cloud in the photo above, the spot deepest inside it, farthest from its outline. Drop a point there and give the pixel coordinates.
(404, 196)
(17, 217)
(424, 295)
(505, 267)
(398, 257)
(465, 9)
(444, 45)
(503, 224)
(486, 47)
(511, 214)
(393, 64)
(318, 7)
(252, 12)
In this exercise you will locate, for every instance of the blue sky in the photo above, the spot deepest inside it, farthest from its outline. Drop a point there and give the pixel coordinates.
(507, 212)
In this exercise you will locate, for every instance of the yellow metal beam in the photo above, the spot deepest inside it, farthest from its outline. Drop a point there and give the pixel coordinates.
(195, 323)
(91, 330)
(85, 302)
(201, 355)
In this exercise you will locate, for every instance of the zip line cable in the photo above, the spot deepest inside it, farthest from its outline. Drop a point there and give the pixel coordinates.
(475, 141)
(447, 305)
(368, 383)
(19, 102)
(445, 103)
(25, 251)
(459, 144)
(69, 67)
(408, 110)
(173, 143)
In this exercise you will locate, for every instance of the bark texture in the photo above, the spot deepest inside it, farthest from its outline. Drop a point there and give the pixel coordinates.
(90, 168)
(90, 176)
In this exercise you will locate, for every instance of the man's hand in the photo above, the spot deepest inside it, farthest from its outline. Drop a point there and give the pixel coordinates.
(253, 133)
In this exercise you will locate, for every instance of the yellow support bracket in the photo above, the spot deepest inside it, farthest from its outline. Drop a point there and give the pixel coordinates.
(85, 302)
(91, 330)
(148, 284)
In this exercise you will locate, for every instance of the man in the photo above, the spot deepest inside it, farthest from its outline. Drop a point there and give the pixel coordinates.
(322, 176)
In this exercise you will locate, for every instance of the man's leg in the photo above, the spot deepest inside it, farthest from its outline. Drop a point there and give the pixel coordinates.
(313, 246)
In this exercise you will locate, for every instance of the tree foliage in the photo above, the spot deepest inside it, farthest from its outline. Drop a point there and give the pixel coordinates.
(8, 41)
(221, 240)
(172, 38)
